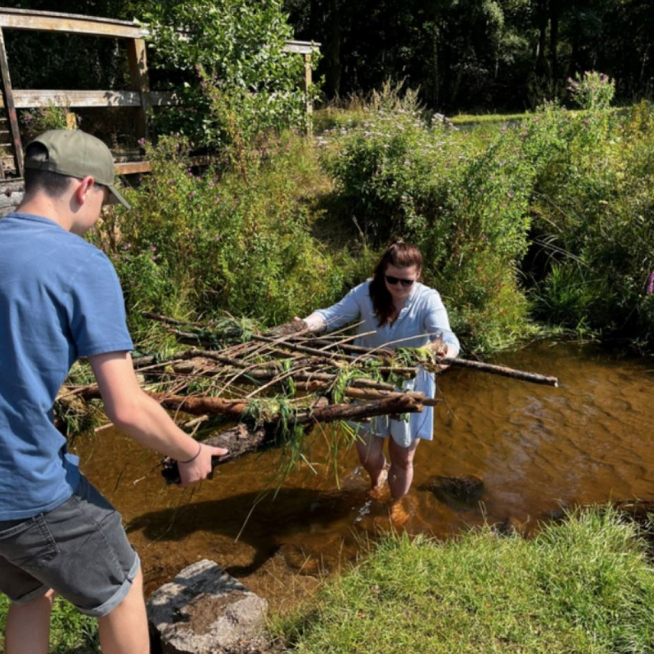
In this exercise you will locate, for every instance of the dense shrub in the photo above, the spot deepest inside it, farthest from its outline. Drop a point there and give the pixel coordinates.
(557, 209)
(552, 218)
(196, 244)
(462, 200)
(594, 203)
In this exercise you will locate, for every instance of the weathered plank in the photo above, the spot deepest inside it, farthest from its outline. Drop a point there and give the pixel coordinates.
(138, 75)
(26, 99)
(134, 167)
(51, 21)
(301, 47)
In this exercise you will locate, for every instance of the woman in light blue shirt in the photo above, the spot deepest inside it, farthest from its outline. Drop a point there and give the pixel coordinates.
(394, 310)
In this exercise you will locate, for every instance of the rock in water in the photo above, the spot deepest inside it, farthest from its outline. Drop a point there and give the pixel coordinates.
(459, 493)
(204, 611)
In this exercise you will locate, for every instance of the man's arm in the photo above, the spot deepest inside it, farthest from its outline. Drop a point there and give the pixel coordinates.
(142, 418)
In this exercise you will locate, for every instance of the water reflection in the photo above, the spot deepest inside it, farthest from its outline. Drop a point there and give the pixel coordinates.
(536, 449)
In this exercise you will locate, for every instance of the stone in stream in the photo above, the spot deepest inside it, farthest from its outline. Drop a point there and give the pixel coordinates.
(459, 493)
(206, 611)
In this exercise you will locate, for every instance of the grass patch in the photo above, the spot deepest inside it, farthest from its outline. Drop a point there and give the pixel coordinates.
(584, 587)
(70, 631)
(479, 119)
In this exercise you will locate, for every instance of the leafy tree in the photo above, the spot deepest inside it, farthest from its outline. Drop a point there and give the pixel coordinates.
(232, 71)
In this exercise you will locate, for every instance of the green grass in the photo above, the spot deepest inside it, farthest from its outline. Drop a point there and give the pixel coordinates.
(70, 631)
(478, 119)
(582, 587)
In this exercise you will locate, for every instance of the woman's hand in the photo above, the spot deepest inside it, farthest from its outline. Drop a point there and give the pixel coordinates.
(440, 349)
(296, 325)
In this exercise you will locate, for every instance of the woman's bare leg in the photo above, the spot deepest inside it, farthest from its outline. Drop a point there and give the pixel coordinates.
(371, 455)
(400, 474)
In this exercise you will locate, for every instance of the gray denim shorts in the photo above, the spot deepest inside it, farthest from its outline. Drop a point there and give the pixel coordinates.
(79, 549)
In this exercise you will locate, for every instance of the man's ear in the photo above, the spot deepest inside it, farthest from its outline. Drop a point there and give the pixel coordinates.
(84, 186)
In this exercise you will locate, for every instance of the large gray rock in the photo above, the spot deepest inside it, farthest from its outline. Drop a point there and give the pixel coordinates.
(205, 611)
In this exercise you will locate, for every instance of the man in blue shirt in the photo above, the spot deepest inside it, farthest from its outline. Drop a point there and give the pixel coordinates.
(60, 300)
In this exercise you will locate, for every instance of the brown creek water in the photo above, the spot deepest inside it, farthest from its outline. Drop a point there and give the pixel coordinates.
(536, 448)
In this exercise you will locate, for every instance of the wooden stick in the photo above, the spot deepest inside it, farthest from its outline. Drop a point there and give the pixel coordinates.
(241, 440)
(262, 371)
(503, 371)
(403, 403)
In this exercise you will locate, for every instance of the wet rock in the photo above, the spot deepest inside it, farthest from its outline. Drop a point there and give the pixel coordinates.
(459, 493)
(206, 611)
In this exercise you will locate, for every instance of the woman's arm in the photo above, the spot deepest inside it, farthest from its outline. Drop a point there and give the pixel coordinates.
(437, 323)
(339, 314)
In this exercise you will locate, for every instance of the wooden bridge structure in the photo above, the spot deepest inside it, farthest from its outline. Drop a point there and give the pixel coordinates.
(137, 98)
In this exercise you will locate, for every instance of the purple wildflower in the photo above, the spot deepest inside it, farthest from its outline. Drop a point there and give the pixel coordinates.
(650, 283)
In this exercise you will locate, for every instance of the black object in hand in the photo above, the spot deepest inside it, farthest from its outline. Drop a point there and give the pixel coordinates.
(170, 469)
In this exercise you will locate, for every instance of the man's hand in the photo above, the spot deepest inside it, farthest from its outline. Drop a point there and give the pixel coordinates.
(200, 466)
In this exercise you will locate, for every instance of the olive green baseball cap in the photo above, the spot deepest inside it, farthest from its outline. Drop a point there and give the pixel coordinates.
(77, 154)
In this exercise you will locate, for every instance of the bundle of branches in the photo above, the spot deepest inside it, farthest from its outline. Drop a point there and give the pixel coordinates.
(276, 384)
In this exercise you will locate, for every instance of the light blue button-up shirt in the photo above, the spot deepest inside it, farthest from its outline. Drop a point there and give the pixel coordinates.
(422, 319)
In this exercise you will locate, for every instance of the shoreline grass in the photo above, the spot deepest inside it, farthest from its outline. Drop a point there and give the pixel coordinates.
(584, 586)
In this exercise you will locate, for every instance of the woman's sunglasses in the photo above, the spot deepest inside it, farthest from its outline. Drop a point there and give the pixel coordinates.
(394, 280)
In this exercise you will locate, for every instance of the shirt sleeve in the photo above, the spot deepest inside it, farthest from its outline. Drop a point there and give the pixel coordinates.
(344, 311)
(437, 322)
(97, 318)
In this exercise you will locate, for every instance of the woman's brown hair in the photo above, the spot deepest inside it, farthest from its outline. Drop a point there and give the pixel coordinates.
(401, 255)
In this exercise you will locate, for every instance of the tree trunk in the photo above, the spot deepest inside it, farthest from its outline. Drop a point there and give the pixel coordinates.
(554, 44)
(333, 50)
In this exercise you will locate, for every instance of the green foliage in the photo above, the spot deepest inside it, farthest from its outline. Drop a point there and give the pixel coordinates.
(42, 119)
(236, 79)
(554, 212)
(70, 633)
(583, 586)
(595, 220)
(463, 202)
(205, 244)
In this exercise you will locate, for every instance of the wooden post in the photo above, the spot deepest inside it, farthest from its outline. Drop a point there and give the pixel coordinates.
(307, 88)
(138, 73)
(10, 107)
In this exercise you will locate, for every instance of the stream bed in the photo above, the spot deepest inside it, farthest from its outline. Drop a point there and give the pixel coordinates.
(537, 450)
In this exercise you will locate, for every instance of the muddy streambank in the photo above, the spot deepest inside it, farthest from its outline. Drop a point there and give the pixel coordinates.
(536, 449)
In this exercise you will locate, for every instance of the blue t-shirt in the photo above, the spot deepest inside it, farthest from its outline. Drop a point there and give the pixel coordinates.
(60, 299)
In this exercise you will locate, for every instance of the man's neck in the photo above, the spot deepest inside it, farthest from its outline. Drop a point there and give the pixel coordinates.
(46, 207)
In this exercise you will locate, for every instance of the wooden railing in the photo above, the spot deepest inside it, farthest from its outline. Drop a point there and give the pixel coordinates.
(138, 97)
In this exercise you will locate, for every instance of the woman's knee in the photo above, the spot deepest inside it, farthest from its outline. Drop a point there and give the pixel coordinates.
(402, 457)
